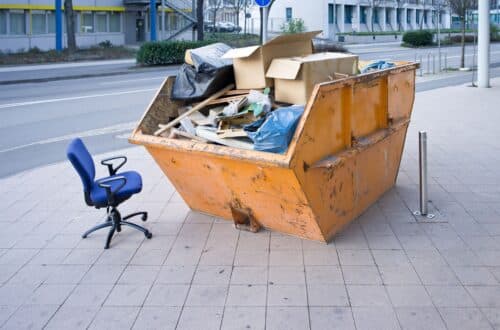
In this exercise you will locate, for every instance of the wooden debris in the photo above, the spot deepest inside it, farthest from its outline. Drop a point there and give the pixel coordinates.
(197, 107)
(230, 142)
(232, 133)
(175, 133)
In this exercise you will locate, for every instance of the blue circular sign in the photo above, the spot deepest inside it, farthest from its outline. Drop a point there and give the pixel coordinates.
(262, 3)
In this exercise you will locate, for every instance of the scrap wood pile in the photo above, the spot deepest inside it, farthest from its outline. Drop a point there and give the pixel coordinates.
(245, 119)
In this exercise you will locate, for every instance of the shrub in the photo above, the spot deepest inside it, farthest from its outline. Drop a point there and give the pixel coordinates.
(494, 32)
(34, 50)
(456, 39)
(295, 25)
(105, 44)
(167, 52)
(418, 38)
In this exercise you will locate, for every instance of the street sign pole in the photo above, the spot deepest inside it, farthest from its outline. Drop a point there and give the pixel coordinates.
(264, 4)
(264, 25)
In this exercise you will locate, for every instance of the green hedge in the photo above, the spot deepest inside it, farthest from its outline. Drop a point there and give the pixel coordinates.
(418, 38)
(167, 52)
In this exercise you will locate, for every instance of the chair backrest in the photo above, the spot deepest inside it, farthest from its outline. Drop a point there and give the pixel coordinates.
(83, 163)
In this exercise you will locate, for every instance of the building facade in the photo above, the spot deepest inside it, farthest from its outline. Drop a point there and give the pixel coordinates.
(346, 16)
(26, 24)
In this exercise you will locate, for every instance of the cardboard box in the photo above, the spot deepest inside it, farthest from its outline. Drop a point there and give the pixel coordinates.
(251, 63)
(295, 77)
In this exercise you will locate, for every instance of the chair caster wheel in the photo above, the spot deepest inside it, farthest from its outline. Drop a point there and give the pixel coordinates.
(144, 217)
(84, 236)
(148, 235)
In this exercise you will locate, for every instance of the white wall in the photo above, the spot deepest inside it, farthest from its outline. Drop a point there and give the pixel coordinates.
(48, 41)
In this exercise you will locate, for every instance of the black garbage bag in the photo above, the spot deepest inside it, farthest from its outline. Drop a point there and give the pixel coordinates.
(208, 74)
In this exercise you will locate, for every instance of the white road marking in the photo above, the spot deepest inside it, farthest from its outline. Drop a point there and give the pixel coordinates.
(20, 104)
(119, 128)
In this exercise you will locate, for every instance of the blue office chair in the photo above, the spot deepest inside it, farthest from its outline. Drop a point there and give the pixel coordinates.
(108, 192)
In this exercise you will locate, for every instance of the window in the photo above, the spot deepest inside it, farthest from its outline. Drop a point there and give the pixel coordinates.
(375, 15)
(288, 14)
(51, 22)
(101, 23)
(348, 15)
(38, 22)
(115, 22)
(3, 22)
(363, 15)
(17, 22)
(387, 16)
(87, 22)
(331, 14)
(418, 16)
(408, 17)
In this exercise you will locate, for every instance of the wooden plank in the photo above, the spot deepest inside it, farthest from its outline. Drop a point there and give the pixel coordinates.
(194, 109)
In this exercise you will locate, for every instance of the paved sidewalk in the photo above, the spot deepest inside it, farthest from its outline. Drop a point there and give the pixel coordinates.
(74, 70)
(385, 271)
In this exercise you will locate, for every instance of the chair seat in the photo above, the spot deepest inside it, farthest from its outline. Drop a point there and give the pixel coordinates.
(133, 186)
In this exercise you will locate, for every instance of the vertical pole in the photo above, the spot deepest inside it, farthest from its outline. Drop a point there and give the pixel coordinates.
(439, 34)
(446, 62)
(163, 20)
(421, 67)
(152, 19)
(264, 24)
(422, 156)
(483, 52)
(429, 63)
(433, 63)
(59, 29)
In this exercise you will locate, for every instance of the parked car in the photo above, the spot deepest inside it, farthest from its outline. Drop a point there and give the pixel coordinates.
(227, 27)
(208, 26)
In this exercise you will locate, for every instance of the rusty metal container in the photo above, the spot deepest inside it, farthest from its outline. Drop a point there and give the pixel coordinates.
(344, 155)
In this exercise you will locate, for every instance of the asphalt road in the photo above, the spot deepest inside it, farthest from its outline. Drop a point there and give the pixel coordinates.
(39, 119)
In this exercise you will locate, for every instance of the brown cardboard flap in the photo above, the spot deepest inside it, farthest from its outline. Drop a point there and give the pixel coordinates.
(289, 38)
(240, 52)
(284, 68)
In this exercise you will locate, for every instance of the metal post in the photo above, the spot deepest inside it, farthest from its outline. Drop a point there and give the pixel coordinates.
(439, 34)
(59, 29)
(422, 157)
(445, 62)
(483, 53)
(421, 67)
(429, 63)
(433, 63)
(264, 24)
(152, 20)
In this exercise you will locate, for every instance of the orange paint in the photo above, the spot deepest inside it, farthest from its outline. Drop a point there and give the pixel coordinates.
(344, 155)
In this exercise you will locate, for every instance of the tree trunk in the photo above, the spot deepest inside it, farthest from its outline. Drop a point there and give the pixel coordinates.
(70, 25)
(199, 19)
(261, 12)
(462, 44)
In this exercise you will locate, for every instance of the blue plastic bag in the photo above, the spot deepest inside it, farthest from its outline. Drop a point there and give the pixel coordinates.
(377, 65)
(274, 132)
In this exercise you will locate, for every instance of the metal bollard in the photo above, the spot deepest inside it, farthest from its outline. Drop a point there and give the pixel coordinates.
(421, 67)
(429, 63)
(446, 62)
(422, 158)
(433, 63)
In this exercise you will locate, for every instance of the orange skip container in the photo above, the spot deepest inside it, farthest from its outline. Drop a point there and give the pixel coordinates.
(345, 154)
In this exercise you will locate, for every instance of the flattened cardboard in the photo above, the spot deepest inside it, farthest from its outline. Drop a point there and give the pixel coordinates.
(251, 63)
(295, 77)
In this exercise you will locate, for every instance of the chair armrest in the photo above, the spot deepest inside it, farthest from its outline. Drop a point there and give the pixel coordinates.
(110, 194)
(109, 163)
